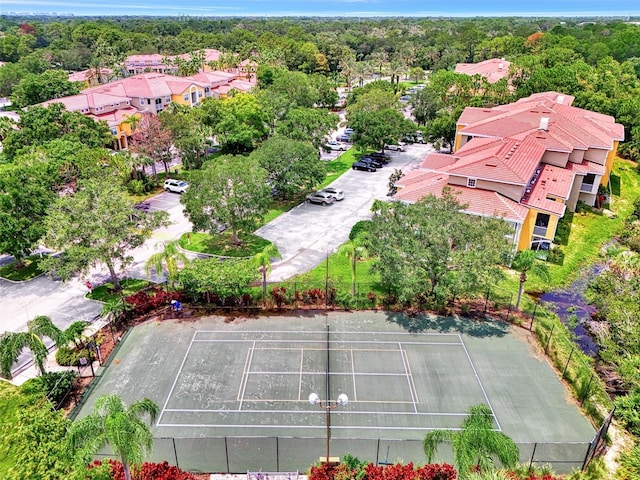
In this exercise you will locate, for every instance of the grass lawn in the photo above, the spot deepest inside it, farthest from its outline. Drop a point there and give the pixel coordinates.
(29, 271)
(105, 293)
(221, 244)
(11, 403)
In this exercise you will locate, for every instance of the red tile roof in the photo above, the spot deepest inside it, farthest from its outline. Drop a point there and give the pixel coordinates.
(116, 117)
(479, 202)
(147, 85)
(493, 69)
(552, 182)
(567, 127)
(495, 159)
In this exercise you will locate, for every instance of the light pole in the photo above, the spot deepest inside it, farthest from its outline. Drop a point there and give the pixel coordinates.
(342, 400)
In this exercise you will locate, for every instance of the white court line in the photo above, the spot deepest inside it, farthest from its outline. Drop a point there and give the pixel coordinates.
(313, 412)
(247, 380)
(369, 374)
(301, 373)
(353, 374)
(407, 375)
(175, 380)
(324, 332)
(486, 397)
(244, 375)
(286, 341)
(307, 427)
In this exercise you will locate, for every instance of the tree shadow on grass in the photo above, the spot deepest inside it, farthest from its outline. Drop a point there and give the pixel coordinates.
(426, 323)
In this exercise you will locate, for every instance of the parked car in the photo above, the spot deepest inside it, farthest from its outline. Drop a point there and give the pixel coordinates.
(334, 192)
(322, 198)
(398, 147)
(175, 186)
(360, 165)
(381, 157)
(336, 146)
(372, 161)
(344, 138)
(348, 131)
(405, 98)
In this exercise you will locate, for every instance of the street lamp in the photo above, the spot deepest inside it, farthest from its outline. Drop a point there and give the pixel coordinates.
(342, 400)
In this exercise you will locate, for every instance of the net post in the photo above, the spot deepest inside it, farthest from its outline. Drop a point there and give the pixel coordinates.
(175, 451)
(226, 453)
(533, 454)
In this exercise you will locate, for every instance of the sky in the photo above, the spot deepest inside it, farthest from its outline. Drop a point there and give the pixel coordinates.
(327, 8)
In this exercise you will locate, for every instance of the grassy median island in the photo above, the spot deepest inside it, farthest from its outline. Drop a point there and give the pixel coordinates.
(221, 244)
(30, 270)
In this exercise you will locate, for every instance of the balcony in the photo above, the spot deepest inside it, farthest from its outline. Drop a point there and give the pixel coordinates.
(586, 187)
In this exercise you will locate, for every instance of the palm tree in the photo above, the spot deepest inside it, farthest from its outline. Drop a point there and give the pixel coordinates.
(354, 250)
(122, 429)
(13, 343)
(474, 444)
(527, 261)
(262, 260)
(170, 258)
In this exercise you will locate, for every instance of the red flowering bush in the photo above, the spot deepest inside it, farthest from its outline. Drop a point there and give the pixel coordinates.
(389, 472)
(148, 471)
(150, 299)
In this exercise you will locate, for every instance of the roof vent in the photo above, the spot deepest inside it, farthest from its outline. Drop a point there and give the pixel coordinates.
(544, 123)
(501, 66)
(560, 99)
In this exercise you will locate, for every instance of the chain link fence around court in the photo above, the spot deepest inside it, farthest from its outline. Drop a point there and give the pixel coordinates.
(279, 454)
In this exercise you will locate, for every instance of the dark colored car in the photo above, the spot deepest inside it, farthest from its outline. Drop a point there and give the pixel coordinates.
(344, 138)
(371, 161)
(360, 165)
(379, 156)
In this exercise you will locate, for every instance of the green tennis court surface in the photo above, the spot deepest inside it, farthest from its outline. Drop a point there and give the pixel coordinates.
(251, 379)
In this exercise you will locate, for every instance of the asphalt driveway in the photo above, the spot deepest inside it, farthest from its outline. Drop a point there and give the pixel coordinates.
(307, 233)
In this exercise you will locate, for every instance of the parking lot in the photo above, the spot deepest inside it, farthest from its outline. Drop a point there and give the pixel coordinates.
(308, 232)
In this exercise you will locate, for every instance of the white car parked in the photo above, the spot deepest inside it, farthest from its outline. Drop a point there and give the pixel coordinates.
(336, 146)
(175, 186)
(398, 147)
(334, 192)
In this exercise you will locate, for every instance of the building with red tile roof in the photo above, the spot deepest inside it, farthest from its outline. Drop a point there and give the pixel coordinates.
(493, 70)
(528, 162)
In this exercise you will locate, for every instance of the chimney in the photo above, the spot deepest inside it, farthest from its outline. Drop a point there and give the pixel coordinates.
(544, 124)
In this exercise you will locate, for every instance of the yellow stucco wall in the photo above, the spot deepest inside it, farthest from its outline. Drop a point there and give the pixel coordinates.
(179, 99)
(609, 164)
(526, 233)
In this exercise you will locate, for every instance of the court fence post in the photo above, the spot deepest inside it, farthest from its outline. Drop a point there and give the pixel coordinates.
(378, 453)
(533, 316)
(175, 451)
(277, 454)
(568, 360)
(533, 454)
(486, 300)
(546, 347)
(586, 391)
(509, 308)
(226, 453)
(295, 297)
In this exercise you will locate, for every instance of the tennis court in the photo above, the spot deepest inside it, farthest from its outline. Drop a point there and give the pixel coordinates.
(246, 384)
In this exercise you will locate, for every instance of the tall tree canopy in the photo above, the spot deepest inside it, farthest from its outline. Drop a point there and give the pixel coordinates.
(96, 225)
(230, 191)
(291, 165)
(432, 248)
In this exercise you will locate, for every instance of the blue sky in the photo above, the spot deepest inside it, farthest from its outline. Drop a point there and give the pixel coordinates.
(332, 8)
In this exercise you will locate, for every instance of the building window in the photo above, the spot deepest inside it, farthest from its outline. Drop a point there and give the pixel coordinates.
(186, 97)
(158, 101)
(199, 93)
(471, 182)
(587, 183)
(114, 131)
(542, 223)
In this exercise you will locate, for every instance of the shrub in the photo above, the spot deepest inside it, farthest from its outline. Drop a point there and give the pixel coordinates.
(628, 411)
(69, 357)
(556, 255)
(360, 228)
(148, 471)
(53, 385)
